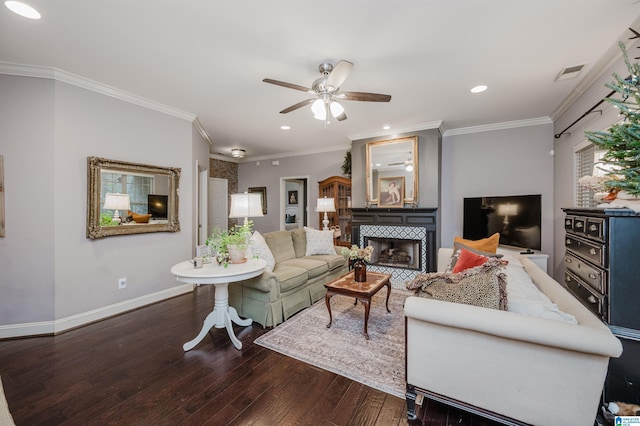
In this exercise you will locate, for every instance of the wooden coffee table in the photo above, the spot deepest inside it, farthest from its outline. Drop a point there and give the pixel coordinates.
(345, 285)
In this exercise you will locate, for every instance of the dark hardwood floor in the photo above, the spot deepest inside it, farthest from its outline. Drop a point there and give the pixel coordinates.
(131, 370)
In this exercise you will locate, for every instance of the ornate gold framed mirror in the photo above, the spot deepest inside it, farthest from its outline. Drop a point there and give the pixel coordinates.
(129, 198)
(392, 160)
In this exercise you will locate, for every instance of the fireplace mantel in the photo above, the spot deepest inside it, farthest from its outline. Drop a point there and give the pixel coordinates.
(402, 218)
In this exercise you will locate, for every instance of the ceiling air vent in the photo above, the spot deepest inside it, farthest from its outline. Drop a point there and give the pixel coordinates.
(569, 72)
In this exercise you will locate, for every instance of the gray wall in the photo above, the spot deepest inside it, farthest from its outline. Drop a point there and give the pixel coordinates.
(50, 270)
(316, 166)
(429, 145)
(513, 161)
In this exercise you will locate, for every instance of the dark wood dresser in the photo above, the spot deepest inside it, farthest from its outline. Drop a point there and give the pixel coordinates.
(602, 261)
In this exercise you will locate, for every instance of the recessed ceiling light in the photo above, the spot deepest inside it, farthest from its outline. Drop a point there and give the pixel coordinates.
(479, 89)
(285, 127)
(22, 9)
(386, 127)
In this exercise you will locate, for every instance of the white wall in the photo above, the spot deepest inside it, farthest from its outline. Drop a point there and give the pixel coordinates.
(50, 270)
(564, 146)
(26, 253)
(514, 161)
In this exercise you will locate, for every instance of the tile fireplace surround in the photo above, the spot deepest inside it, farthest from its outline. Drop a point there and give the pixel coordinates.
(415, 226)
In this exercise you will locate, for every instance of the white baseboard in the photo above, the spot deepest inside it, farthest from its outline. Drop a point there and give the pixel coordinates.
(73, 321)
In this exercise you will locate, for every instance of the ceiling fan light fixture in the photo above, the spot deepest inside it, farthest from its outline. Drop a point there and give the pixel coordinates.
(318, 109)
(336, 109)
(409, 167)
(238, 153)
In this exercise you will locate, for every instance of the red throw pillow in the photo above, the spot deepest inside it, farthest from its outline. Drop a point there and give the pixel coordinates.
(468, 260)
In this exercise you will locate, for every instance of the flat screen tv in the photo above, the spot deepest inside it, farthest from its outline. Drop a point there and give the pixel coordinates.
(517, 218)
(158, 206)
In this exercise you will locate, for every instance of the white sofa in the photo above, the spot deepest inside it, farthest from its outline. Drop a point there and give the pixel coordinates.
(510, 367)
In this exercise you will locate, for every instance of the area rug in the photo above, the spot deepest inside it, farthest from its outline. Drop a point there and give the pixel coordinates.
(343, 349)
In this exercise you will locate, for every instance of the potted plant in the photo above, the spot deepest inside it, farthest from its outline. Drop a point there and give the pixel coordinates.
(230, 246)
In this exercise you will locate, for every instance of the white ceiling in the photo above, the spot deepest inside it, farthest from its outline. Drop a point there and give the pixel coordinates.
(209, 57)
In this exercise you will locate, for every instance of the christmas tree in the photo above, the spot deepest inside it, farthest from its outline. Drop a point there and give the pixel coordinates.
(622, 141)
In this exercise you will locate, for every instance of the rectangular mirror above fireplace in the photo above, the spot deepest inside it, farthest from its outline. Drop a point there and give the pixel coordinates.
(129, 198)
(393, 158)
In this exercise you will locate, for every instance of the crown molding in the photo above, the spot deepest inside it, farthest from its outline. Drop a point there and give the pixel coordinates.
(203, 132)
(56, 74)
(499, 126)
(319, 150)
(405, 129)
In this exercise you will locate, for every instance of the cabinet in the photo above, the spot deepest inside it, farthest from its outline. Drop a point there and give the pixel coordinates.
(602, 264)
(338, 188)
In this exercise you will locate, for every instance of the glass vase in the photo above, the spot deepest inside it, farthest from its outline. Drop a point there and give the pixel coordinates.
(359, 270)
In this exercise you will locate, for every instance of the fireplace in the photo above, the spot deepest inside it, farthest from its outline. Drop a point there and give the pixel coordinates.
(403, 240)
(395, 252)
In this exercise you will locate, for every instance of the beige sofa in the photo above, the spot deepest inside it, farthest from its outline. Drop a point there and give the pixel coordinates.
(507, 366)
(297, 281)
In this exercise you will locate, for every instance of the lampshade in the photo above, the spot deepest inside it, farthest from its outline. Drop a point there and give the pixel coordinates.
(115, 201)
(325, 205)
(507, 209)
(246, 205)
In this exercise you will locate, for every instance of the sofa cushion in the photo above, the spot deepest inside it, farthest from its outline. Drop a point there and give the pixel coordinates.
(333, 261)
(456, 255)
(281, 245)
(299, 237)
(290, 277)
(314, 267)
(468, 260)
(489, 244)
(260, 248)
(319, 242)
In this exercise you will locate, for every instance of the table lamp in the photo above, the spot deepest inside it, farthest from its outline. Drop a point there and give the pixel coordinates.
(115, 202)
(246, 205)
(325, 205)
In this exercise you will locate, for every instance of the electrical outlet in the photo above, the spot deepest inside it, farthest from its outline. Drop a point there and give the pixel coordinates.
(122, 283)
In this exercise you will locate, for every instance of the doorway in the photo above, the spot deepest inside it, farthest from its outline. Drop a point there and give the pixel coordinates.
(294, 196)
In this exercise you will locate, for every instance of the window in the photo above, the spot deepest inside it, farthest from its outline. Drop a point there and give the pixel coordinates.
(587, 163)
(584, 161)
(138, 186)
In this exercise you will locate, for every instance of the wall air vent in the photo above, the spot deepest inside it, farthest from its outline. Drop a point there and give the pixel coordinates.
(569, 72)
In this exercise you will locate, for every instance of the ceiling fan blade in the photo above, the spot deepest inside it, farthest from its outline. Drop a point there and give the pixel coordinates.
(298, 105)
(288, 85)
(364, 96)
(339, 74)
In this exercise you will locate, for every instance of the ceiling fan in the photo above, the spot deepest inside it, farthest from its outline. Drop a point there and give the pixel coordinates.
(327, 92)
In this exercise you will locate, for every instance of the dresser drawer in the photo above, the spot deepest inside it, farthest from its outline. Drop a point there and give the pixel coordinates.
(568, 223)
(590, 250)
(596, 228)
(594, 302)
(595, 277)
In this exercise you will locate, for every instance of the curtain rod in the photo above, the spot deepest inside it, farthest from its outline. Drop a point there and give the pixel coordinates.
(557, 135)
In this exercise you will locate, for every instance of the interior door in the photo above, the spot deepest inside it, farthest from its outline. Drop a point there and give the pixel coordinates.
(218, 204)
(203, 204)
